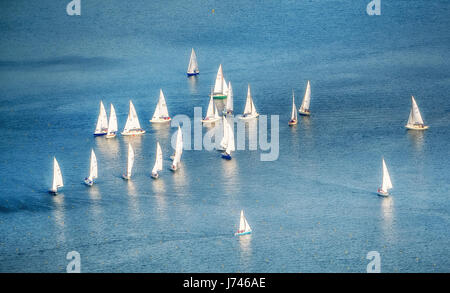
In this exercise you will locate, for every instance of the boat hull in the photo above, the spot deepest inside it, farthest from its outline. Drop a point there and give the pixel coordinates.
(193, 73)
(53, 192)
(125, 177)
(304, 113)
(219, 97)
(155, 175)
(226, 156)
(133, 132)
(382, 193)
(249, 117)
(111, 135)
(292, 122)
(88, 182)
(173, 168)
(243, 233)
(412, 127)
(210, 120)
(161, 120)
(100, 133)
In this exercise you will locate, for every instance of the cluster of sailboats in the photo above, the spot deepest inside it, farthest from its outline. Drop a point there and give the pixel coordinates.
(221, 91)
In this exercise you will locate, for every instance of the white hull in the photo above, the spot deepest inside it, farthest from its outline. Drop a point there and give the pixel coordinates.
(112, 135)
(133, 132)
(161, 120)
(210, 120)
(292, 122)
(382, 193)
(249, 117)
(88, 182)
(173, 168)
(304, 113)
(415, 127)
(155, 175)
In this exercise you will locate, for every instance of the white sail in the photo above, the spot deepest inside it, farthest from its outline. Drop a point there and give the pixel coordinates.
(178, 148)
(294, 108)
(306, 99)
(414, 115)
(130, 160)
(224, 141)
(102, 120)
(93, 172)
(220, 87)
(193, 66)
(229, 105)
(57, 176)
(210, 111)
(387, 184)
(159, 159)
(243, 224)
(248, 102)
(161, 108)
(216, 112)
(230, 141)
(112, 126)
(132, 120)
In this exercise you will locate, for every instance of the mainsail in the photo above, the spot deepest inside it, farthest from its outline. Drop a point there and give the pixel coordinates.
(161, 108)
(249, 105)
(229, 105)
(306, 99)
(210, 111)
(224, 141)
(159, 159)
(294, 109)
(178, 148)
(112, 126)
(220, 87)
(93, 172)
(57, 176)
(414, 115)
(387, 184)
(132, 120)
(193, 66)
(243, 224)
(102, 120)
(230, 140)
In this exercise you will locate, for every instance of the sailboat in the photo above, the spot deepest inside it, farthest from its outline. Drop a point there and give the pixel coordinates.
(93, 172)
(132, 127)
(386, 184)
(212, 114)
(294, 119)
(224, 141)
(178, 151)
(229, 105)
(112, 125)
(130, 162)
(193, 66)
(415, 121)
(304, 108)
(158, 162)
(220, 87)
(249, 110)
(161, 114)
(102, 122)
(57, 177)
(230, 143)
(244, 227)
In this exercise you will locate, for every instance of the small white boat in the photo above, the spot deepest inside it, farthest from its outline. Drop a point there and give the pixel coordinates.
(158, 162)
(244, 227)
(249, 110)
(294, 119)
(228, 111)
(212, 115)
(230, 147)
(386, 182)
(57, 178)
(130, 162)
(178, 151)
(102, 122)
(132, 127)
(161, 114)
(220, 87)
(93, 172)
(304, 108)
(415, 121)
(193, 65)
(112, 125)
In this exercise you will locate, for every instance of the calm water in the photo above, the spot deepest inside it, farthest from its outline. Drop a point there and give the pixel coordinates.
(312, 210)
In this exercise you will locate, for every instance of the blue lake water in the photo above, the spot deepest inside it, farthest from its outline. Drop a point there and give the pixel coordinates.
(314, 209)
